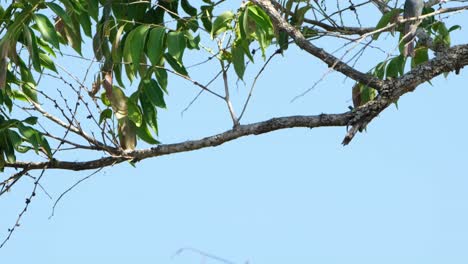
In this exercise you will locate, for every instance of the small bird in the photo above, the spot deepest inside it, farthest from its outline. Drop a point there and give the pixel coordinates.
(413, 8)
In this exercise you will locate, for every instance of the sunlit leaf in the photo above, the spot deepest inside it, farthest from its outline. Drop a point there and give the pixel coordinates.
(221, 23)
(176, 44)
(47, 29)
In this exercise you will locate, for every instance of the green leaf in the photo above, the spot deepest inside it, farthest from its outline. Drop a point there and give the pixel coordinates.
(456, 27)
(118, 73)
(175, 64)
(393, 67)
(283, 40)
(171, 7)
(32, 120)
(443, 34)
(8, 124)
(97, 45)
(153, 92)
(133, 49)
(192, 42)
(298, 17)
(176, 44)
(385, 20)
(73, 34)
(93, 9)
(421, 55)
(47, 62)
(137, 43)
(15, 139)
(30, 134)
(32, 47)
(7, 147)
(238, 60)
(116, 45)
(161, 76)
(206, 16)
(106, 114)
(28, 85)
(45, 47)
(188, 8)
(58, 10)
(149, 113)
(134, 113)
(155, 47)
(18, 95)
(47, 29)
(221, 23)
(85, 24)
(144, 134)
(105, 100)
(367, 94)
(379, 70)
(262, 20)
(45, 145)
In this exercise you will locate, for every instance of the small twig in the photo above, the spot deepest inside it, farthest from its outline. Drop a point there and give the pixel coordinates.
(202, 253)
(255, 81)
(69, 189)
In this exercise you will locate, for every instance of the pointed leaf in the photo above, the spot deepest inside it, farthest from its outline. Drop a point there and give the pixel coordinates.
(175, 64)
(238, 60)
(221, 23)
(47, 29)
(155, 47)
(106, 114)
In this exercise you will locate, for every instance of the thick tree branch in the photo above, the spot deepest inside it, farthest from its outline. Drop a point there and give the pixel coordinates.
(321, 54)
(452, 59)
(323, 120)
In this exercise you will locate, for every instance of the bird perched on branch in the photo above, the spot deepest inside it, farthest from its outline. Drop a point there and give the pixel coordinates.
(413, 8)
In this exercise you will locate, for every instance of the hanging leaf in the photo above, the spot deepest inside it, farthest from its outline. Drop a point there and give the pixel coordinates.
(47, 29)
(175, 64)
(134, 113)
(176, 44)
(386, 19)
(206, 17)
(106, 114)
(156, 45)
(221, 23)
(238, 60)
(395, 66)
(58, 10)
(188, 8)
(85, 23)
(93, 9)
(421, 56)
(161, 76)
(153, 92)
(133, 48)
(47, 62)
(145, 135)
(32, 47)
(149, 112)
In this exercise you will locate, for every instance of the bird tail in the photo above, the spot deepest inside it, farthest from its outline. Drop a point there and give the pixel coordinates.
(408, 39)
(408, 50)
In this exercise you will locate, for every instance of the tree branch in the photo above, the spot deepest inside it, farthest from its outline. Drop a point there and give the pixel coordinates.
(321, 54)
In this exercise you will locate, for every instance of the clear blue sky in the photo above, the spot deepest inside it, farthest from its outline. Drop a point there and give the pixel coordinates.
(397, 194)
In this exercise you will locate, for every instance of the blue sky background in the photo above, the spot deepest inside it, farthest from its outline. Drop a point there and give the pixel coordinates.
(396, 194)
